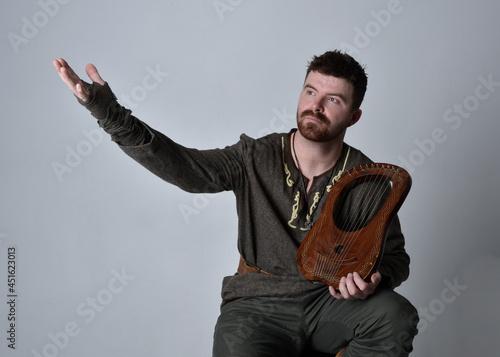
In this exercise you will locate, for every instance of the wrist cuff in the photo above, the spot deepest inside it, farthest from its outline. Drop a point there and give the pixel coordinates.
(100, 98)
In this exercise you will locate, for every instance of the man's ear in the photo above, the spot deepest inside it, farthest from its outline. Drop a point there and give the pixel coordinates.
(355, 117)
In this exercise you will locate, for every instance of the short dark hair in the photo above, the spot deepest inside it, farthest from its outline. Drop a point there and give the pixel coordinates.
(341, 65)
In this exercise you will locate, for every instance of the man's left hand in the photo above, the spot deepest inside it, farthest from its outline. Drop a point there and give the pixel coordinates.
(352, 287)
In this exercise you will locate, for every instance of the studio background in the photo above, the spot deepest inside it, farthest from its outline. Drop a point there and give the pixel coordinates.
(112, 261)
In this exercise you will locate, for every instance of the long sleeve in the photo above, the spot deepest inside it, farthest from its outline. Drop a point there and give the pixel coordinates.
(266, 184)
(192, 170)
(395, 264)
(117, 121)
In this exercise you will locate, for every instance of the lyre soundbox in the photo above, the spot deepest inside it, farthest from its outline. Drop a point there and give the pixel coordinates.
(349, 235)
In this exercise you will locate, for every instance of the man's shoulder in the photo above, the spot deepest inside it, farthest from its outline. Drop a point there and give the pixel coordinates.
(355, 156)
(273, 140)
(272, 137)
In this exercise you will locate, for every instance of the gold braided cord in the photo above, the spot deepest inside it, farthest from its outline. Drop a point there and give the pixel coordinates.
(288, 174)
(295, 211)
(315, 203)
(337, 176)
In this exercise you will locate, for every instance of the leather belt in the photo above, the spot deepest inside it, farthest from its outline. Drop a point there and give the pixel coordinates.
(246, 267)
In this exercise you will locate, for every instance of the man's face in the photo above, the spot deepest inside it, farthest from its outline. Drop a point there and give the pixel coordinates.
(325, 109)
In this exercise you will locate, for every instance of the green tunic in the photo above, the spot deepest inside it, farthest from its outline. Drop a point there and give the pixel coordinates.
(269, 198)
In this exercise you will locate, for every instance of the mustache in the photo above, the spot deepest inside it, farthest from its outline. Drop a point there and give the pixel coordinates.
(321, 117)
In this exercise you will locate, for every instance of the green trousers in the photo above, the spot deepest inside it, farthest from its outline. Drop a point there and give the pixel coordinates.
(382, 325)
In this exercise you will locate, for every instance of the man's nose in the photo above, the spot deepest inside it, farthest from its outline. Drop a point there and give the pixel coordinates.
(317, 105)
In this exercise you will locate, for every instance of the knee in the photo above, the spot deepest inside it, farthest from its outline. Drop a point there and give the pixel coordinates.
(392, 312)
(391, 321)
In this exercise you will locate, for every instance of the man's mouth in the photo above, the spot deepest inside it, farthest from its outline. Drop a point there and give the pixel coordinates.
(315, 117)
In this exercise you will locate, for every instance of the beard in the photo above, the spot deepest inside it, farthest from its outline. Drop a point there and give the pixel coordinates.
(317, 132)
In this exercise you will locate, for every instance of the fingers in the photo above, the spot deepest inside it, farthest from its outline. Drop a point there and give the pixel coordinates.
(359, 283)
(343, 290)
(348, 288)
(376, 278)
(81, 92)
(354, 287)
(65, 71)
(71, 79)
(335, 293)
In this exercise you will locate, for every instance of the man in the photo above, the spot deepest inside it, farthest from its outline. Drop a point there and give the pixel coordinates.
(280, 183)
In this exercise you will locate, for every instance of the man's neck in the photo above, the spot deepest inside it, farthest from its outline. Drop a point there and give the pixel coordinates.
(315, 158)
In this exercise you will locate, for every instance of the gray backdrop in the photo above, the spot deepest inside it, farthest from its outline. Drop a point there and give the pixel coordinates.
(111, 261)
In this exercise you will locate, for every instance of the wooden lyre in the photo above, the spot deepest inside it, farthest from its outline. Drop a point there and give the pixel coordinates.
(334, 248)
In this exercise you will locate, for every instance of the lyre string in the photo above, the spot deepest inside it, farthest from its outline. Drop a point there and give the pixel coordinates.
(376, 192)
(331, 264)
(346, 241)
(349, 238)
(351, 231)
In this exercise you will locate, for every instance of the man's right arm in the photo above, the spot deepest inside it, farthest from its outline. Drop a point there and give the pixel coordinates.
(190, 169)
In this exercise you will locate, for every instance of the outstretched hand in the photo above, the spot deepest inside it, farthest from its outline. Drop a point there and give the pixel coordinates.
(74, 82)
(354, 287)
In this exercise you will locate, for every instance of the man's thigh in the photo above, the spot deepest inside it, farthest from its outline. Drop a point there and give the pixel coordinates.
(384, 324)
(259, 327)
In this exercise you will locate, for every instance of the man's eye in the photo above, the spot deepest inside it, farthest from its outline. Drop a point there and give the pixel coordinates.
(333, 100)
